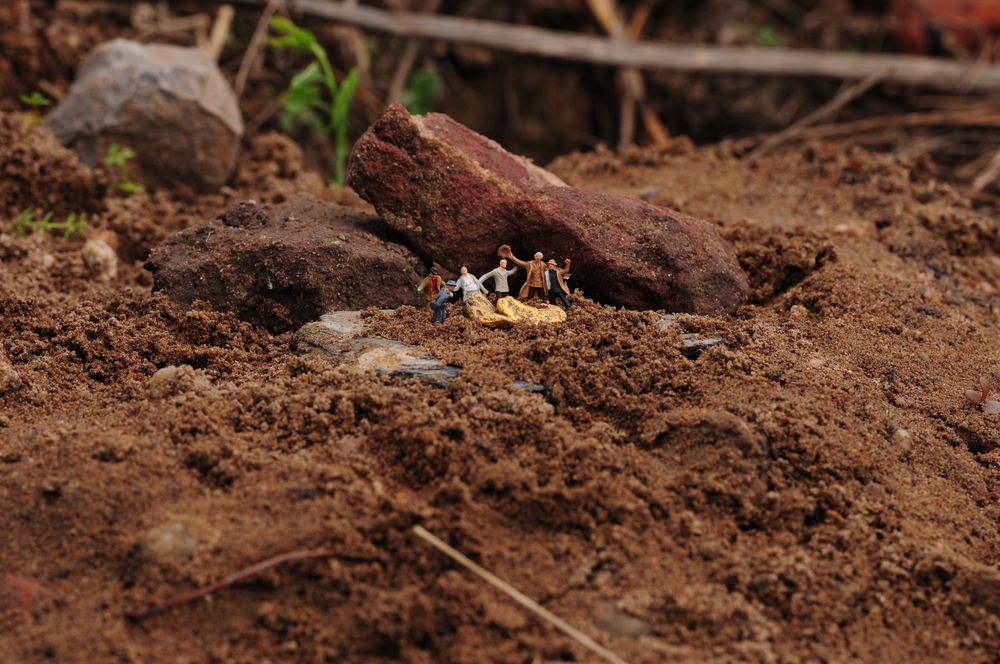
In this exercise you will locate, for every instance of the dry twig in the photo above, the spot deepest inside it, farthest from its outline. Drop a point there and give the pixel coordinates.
(220, 31)
(183, 598)
(988, 175)
(933, 72)
(252, 55)
(407, 60)
(518, 596)
(976, 117)
(846, 96)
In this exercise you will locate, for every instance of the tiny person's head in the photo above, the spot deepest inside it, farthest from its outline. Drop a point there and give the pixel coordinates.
(464, 271)
(451, 284)
(538, 255)
(503, 263)
(552, 262)
(434, 270)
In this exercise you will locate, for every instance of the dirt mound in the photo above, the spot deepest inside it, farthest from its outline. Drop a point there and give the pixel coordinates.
(37, 174)
(812, 487)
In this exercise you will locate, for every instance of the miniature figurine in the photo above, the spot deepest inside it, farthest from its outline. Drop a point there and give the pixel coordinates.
(469, 284)
(440, 303)
(554, 284)
(499, 276)
(431, 285)
(534, 285)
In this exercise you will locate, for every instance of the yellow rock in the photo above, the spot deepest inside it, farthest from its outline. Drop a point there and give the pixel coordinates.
(510, 312)
(520, 312)
(481, 311)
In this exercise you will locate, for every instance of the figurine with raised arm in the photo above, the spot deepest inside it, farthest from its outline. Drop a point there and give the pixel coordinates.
(431, 285)
(554, 283)
(469, 284)
(499, 276)
(534, 285)
(440, 303)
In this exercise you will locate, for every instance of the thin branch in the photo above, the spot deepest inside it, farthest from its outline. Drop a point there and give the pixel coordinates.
(989, 174)
(933, 72)
(220, 31)
(407, 60)
(183, 598)
(251, 57)
(519, 597)
(979, 117)
(845, 97)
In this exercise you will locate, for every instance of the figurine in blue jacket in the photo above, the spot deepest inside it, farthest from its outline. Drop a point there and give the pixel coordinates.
(440, 303)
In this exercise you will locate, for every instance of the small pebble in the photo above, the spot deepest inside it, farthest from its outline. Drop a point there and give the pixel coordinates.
(902, 438)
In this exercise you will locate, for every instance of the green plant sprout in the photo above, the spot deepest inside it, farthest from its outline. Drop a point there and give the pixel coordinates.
(304, 97)
(27, 224)
(118, 157)
(37, 101)
(422, 91)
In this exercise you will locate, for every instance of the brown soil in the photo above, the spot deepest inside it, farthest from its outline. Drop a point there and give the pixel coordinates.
(758, 504)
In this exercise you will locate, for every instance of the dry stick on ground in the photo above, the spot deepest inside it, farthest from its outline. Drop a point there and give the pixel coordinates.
(961, 118)
(629, 78)
(252, 55)
(185, 597)
(989, 174)
(220, 31)
(518, 596)
(407, 60)
(933, 72)
(842, 99)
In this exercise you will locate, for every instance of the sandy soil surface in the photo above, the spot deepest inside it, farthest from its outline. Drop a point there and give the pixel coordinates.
(815, 488)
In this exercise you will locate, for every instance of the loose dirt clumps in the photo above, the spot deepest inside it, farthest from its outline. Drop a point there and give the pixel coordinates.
(756, 504)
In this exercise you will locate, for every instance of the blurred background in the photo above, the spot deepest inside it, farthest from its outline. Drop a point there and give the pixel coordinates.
(544, 107)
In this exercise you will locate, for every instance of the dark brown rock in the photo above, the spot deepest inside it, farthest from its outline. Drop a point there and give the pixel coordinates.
(457, 196)
(285, 266)
(170, 104)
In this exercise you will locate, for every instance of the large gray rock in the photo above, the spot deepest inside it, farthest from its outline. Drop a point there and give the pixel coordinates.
(170, 104)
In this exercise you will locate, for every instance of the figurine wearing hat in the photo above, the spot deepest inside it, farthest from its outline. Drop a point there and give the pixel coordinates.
(555, 286)
(440, 303)
(431, 285)
(534, 285)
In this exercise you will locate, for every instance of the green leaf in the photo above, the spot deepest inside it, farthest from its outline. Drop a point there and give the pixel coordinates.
(304, 92)
(128, 187)
(291, 36)
(345, 95)
(767, 36)
(118, 156)
(36, 100)
(338, 118)
(422, 91)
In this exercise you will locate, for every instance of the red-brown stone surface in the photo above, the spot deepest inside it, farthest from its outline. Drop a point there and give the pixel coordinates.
(457, 196)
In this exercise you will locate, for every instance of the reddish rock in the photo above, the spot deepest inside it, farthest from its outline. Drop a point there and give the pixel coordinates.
(285, 266)
(457, 196)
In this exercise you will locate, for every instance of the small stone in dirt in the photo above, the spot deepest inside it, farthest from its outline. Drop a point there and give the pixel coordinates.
(282, 267)
(171, 105)
(332, 337)
(178, 539)
(902, 438)
(100, 257)
(615, 621)
(9, 378)
(172, 380)
(441, 185)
